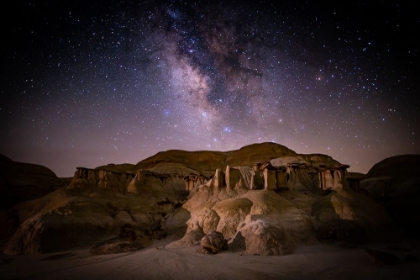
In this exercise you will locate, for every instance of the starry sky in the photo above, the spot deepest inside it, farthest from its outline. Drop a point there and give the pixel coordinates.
(87, 83)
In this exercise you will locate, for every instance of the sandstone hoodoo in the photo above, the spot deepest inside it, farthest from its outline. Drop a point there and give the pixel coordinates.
(263, 199)
(280, 204)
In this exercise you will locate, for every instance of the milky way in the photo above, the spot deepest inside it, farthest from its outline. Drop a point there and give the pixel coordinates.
(87, 83)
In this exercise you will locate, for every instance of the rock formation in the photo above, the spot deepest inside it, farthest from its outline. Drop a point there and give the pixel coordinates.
(24, 181)
(213, 243)
(264, 199)
(21, 182)
(394, 183)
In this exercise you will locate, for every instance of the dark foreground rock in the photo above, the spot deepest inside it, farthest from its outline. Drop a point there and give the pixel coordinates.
(214, 243)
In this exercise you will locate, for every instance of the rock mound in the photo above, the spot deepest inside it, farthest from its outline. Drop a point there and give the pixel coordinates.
(24, 181)
(62, 221)
(394, 183)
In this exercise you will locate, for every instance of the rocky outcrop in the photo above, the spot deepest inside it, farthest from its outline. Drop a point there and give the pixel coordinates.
(270, 224)
(258, 166)
(24, 181)
(163, 184)
(162, 180)
(305, 172)
(394, 183)
(274, 226)
(62, 220)
(264, 199)
(348, 216)
(90, 179)
(205, 162)
(276, 205)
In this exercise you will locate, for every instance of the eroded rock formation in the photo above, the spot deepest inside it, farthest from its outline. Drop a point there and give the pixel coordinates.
(394, 183)
(264, 199)
(213, 243)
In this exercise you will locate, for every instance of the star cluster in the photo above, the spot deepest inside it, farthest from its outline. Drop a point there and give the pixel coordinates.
(87, 83)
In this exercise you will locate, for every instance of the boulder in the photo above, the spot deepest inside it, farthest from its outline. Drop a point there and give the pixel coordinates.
(213, 242)
(269, 224)
(262, 238)
(123, 218)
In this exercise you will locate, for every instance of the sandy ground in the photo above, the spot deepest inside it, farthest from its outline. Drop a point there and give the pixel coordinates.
(164, 261)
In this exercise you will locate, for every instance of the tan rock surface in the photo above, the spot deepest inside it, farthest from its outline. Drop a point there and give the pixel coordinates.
(62, 220)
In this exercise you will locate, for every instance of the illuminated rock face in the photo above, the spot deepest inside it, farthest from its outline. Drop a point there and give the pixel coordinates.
(100, 178)
(264, 199)
(269, 224)
(247, 201)
(298, 173)
(139, 182)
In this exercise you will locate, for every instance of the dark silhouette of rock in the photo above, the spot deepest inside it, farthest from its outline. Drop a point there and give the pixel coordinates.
(127, 231)
(348, 216)
(394, 183)
(237, 242)
(25, 181)
(382, 258)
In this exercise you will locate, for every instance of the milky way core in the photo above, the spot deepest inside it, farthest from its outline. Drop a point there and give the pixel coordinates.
(87, 83)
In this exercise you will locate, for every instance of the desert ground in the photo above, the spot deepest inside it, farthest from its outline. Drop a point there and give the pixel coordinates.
(163, 260)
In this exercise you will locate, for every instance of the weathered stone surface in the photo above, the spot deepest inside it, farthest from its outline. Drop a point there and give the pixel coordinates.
(262, 238)
(279, 221)
(123, 218)
(192, 236)
(274, 226)
(115, 246)
(213, 242)
(237, 243)
(107, 177)
(347, 215)
(231, 212)
(62, 221)
(264, 198)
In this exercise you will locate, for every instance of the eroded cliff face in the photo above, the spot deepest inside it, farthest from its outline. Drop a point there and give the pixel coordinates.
(265, 199)
(90, 179)
(168, 179)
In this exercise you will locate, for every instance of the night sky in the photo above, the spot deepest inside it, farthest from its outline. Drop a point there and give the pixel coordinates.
(87, 83)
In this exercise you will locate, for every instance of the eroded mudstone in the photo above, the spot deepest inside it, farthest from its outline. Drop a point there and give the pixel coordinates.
(214, 242)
